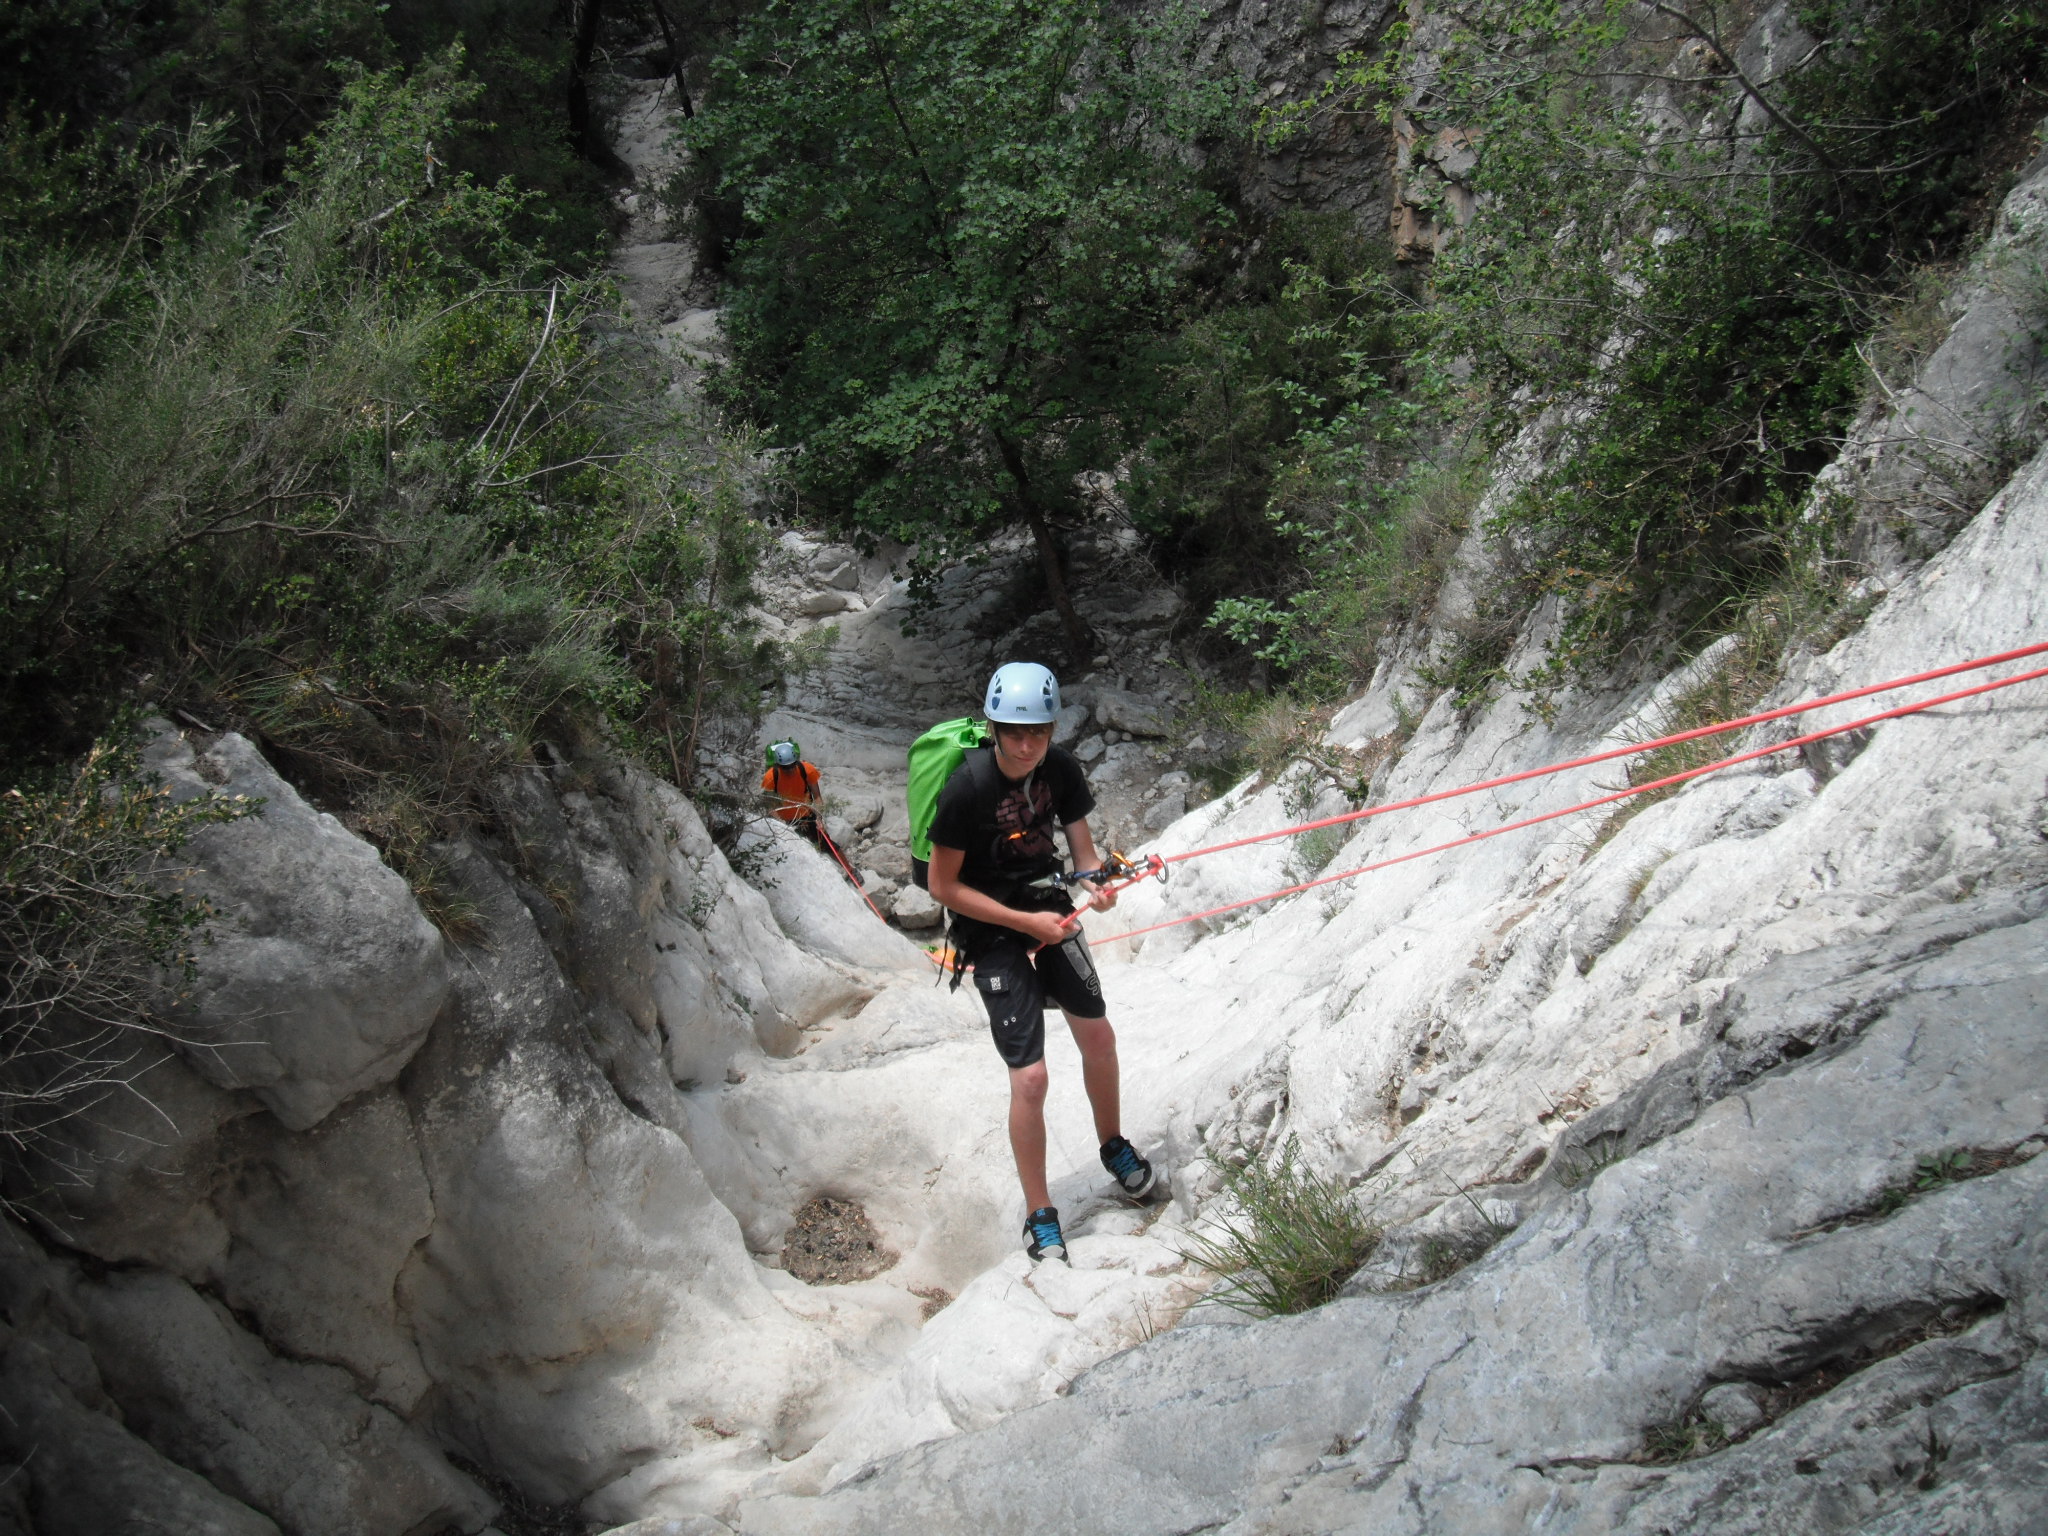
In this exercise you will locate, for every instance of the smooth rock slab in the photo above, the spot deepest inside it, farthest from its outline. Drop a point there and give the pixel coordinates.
(1605, 1316)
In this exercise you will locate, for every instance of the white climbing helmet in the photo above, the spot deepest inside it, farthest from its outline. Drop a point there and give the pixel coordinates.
(783, 754)
(1022, 693)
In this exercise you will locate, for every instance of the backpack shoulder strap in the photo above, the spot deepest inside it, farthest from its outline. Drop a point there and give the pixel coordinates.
(982, 773)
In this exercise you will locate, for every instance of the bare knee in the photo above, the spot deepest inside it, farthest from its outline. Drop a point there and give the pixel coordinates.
(1027, 1084)
(1093, 1036)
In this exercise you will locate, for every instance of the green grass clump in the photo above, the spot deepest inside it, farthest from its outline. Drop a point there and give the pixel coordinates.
(1293, 1236)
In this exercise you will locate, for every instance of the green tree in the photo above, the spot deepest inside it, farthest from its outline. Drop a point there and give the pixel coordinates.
(971, 232)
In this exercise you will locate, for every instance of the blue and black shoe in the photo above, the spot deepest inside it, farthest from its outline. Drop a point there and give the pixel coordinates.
(1134, 1176)
(1042, 1236)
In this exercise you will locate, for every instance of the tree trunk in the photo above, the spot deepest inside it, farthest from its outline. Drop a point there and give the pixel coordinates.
(675, 56)
(583, 125)
(1080, 639)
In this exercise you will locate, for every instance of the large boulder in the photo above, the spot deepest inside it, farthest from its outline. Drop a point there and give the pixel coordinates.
(321, 1225)
(323, 976)
(583, 1300)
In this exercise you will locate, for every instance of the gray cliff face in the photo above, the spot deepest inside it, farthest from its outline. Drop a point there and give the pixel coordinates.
(1289, 50)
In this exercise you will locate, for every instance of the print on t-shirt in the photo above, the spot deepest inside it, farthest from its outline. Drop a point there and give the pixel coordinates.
(1024, 824)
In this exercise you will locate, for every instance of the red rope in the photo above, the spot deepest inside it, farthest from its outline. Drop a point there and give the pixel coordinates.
(1636, 789)
(1628, 751)
(826, 838)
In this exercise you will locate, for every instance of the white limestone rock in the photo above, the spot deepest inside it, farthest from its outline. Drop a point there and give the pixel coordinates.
(323, 975)
(322, 1225)
(811, 901)
(1600, 1319)
(915, 909)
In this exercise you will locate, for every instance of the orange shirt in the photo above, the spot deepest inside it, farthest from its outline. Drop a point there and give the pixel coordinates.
(795, 786)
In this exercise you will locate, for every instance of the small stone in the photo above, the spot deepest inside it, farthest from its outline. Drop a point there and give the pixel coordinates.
(1126, 712)
(915, 909)
(1089, 749)
(891, 860)
(837, 828)
(1166, 812)
(1067, 724)
(846, 578)
(1733, 1405)
(1414, 1099)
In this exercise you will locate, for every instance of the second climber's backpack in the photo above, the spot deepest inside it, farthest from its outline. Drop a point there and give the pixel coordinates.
(933, 757)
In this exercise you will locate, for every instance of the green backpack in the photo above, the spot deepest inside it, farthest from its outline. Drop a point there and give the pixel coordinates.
(933, 757)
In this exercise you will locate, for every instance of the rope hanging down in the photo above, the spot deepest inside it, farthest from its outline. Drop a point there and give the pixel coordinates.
(1635, 789)
(859, 889)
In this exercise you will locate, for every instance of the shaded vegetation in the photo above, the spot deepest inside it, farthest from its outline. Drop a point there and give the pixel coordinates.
(318, 421)
(968, 237)
(358, 461)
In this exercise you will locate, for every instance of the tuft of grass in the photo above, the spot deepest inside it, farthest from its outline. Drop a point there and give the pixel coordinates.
(1292, 1237)
(448, 907)
(1681, 1440)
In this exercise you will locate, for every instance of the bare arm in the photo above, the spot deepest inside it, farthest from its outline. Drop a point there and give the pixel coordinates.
(1082, 841)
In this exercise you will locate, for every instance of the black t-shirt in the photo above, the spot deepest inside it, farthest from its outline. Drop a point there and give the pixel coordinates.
(1005, 838)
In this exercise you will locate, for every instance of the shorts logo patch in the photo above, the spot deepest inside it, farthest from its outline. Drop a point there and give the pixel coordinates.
(995, 983)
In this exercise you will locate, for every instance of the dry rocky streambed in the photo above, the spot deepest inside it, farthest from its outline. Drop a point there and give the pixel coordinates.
(1704, 1150)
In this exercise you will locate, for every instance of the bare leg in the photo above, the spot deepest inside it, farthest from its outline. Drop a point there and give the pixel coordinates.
(1099, 1073)
(1027, 1132)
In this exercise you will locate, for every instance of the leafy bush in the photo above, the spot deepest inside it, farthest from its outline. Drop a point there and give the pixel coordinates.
(94, 933)
(349, 466)
(1290, 1239)
(968, 232)
(1682, 291)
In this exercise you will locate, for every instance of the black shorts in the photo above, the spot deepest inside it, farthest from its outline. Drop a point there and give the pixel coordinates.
(1016, 986)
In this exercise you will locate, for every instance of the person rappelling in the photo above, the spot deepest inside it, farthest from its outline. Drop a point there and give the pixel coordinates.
(794, 784)
(994, 864)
